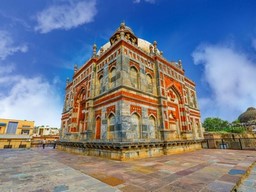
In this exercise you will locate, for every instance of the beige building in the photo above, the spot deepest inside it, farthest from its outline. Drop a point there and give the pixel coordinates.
(50, 134)
(45, 131)
(15, 133)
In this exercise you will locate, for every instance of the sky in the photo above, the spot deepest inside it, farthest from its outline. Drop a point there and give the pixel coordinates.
(40, 41)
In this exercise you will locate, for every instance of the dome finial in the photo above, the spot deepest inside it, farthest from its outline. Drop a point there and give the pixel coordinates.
(75, 68)
(155, 46)
(180, 63)
(151, 49)
(122, 25)
(67, 80)
(101, 50)
(94, 49)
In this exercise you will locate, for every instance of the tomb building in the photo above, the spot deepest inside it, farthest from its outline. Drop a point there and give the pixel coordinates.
(127, 101)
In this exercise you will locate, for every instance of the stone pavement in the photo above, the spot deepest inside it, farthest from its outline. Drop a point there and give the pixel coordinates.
(27, 170)
(207, 170)
(249, 183)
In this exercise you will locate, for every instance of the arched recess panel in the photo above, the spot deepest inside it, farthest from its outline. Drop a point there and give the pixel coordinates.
(152, 128)
(112, 78)
(98, 128)
(174, 117)
(134, 77)
(149, 84)
(111, 126)
(135, 126)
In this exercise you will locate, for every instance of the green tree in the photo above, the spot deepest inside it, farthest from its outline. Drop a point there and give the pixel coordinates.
(215, 124)
(236, 121)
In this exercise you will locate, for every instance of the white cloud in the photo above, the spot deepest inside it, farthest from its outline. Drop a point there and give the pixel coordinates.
(15, 20)
(6, 69)
(254, 43)
(150, 1)
(147, 1)
(230, 75)
(30, 98)
(66, 16)
(7, 46)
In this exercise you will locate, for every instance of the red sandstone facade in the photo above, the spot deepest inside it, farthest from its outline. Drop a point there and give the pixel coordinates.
(128, 92)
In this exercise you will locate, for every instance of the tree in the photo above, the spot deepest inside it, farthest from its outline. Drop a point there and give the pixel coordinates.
(215, 124)
(236, 121)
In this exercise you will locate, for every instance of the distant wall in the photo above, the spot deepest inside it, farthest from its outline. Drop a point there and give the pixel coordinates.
(208, 135)
(37, 141)
(246, 141)
(14, 143)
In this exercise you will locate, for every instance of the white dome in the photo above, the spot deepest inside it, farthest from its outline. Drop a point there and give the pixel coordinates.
(105, 47)
(143, 44)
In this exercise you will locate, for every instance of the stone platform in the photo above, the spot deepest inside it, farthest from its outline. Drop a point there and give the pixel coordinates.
(41, 170)
(124, 151)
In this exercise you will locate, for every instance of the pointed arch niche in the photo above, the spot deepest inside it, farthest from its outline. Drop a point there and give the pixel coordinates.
(136, 126)
(80, 108)
(111, 126)
(149, 83)
(98, 128)
(112, 77)
(174, 116)
(152, 127)
(134, 75)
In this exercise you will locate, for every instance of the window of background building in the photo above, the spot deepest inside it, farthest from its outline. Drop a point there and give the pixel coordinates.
(12, 127)
(25, 132)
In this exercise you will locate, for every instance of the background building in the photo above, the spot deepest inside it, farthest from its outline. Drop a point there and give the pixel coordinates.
(15, 133)
(45, 131)
(50, 134)
(129, 93)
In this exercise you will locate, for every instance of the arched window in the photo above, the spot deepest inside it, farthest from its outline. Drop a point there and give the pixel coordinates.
(149, 84)
(98, 128)
(134, 77)
(112, 76)
(111, 126)
(135, 126)
(152, 128)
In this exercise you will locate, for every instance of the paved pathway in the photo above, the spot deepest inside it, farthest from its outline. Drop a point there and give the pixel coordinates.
(34, 170)
(249, 183)
(206, 170)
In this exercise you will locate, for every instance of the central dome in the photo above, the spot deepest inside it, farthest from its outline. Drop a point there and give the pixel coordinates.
(143, 44)
(126, 33)
(124, 27)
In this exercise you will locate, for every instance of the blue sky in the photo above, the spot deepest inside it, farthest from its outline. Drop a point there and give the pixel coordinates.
(40, 41)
